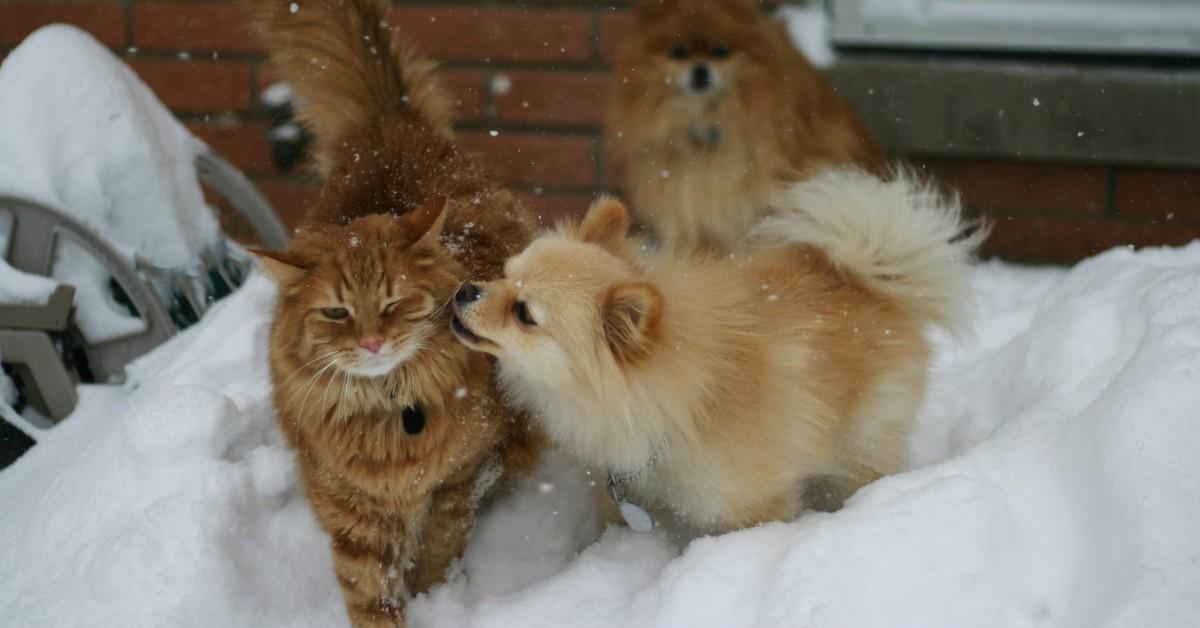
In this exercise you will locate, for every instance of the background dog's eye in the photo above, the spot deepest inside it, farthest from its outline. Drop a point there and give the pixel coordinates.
(335, 313)
(721, 51)
(521, 310)
(678, 51)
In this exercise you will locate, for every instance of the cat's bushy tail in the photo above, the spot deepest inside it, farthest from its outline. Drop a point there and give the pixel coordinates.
(347, 69)
(899, 235)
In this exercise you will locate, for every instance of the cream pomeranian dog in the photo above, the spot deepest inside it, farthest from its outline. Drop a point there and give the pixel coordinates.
(723, 390)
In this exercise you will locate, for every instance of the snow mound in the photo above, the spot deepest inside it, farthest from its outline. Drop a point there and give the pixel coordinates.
(1057, 485)
(79, 131)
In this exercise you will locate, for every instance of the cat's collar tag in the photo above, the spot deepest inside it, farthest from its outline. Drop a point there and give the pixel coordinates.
(635, 516)
(414, 418)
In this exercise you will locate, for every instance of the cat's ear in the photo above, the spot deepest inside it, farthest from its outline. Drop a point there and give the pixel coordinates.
(428, 221)
(283, 267)
(606, 223)
(631, 314)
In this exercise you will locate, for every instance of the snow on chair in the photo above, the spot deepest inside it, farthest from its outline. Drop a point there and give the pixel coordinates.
(107, 247)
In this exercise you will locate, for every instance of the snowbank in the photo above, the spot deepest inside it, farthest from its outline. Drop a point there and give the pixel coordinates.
(1058, 485)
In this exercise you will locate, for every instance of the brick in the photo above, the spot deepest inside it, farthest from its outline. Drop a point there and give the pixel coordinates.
(553, 208)
(1024, 188)
(290, 199)
(552, 98)
(468, 33)
(615, 27)
(562, 161)
(197, 86)
(466, 90)
(244, 144)
(191, 26)
(1159, 195)
(1066, 241)
(104, 20)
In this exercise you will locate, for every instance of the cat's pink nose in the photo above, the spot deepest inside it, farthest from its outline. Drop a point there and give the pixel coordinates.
(371, 344)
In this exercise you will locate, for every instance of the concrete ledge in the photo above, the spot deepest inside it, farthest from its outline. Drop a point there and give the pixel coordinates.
(1027, 111)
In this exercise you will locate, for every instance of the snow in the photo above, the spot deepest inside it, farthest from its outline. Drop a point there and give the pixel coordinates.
(808, 27)
(277, 95)
(81, 133)
(1055, 483)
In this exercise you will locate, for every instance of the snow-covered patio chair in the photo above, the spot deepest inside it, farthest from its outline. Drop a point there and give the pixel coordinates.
(103, 220)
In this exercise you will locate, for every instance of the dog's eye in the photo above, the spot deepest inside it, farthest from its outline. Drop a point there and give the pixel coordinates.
(720, 51)
(678, 51)
(335, 313)
(521, 311)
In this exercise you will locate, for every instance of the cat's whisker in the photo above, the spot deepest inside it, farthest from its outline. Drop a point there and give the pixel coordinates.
(324, 392)
(311, 383)
(302, 367)
(345, 390)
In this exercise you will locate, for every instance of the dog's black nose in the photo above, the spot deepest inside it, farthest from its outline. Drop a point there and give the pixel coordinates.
(702, 77)
(467, 293)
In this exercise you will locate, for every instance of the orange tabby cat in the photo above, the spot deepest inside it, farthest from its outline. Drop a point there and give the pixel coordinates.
(398, 429)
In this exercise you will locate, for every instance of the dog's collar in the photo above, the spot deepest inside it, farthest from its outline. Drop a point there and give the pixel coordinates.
(635, 516)
(705, 136)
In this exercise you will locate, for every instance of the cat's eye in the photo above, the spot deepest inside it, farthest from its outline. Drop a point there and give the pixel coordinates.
(335, 313)
(678, 51)
(391, 307)
(720, 51)
(521, 311)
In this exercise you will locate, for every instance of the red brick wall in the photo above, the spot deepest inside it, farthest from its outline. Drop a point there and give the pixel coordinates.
(553, 55)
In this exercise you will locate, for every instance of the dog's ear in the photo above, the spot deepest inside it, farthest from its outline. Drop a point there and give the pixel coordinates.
(631, 314)
(605, 224)
(282, 267)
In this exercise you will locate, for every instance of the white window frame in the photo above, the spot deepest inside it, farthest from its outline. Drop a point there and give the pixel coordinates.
(1111, 27)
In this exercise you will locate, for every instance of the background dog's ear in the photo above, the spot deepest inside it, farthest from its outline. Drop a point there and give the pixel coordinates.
(631, 314)
(652, 9)
(606, 223)
(282, 267)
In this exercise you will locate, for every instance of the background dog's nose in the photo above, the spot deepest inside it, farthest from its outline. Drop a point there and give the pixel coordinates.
(701, 77)
(467, 293)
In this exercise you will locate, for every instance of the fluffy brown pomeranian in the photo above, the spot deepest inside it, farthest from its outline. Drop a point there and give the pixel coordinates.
(398, 430)
(711, 108)
(725, 390)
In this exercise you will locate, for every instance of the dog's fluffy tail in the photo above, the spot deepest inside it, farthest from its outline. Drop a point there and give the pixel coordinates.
(347, 70)
(902, 237)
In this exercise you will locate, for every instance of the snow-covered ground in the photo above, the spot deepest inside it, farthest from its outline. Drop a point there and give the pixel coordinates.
(1057, 484)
